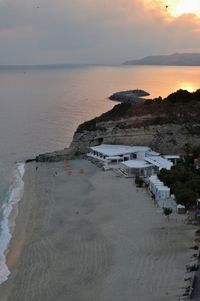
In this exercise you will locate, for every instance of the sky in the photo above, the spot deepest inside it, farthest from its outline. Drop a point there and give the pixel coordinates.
(95, 31)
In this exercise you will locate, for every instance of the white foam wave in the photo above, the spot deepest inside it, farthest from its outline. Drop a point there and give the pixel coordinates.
(15, 194)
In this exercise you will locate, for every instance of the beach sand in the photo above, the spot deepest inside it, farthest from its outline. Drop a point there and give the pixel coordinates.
(83, 234)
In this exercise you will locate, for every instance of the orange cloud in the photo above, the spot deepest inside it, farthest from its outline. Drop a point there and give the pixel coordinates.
(174, 8)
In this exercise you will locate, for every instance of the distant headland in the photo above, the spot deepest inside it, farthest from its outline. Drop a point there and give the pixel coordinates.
(176, 59)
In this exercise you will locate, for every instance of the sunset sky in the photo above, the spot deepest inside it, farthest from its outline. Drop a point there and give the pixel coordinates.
(96, 31)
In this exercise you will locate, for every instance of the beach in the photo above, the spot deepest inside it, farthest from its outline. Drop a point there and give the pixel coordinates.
(83, 234)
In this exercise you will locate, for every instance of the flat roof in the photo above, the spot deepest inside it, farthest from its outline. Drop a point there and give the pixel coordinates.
(154, 181)
(152, 153)
(116, 150)
(163, 188)
(159, 162)
(153, 177)
(136, 164)
(180, 206)
(172, 157)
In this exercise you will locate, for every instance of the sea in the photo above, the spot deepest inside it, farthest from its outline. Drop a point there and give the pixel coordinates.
(41, 107)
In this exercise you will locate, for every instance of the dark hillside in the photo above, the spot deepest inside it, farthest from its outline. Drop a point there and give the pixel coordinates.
(177, 108)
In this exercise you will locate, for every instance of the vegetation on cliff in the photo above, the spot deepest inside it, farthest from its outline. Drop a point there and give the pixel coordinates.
(181, 107)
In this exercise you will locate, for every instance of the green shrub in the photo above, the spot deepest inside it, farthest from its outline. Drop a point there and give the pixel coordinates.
(138, 181)
(185, 196)
(167, 211)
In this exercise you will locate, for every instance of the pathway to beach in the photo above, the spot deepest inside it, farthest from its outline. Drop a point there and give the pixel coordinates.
(87, 235)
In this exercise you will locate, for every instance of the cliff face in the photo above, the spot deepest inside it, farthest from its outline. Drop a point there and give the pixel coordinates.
(168, 138)
(167, 126)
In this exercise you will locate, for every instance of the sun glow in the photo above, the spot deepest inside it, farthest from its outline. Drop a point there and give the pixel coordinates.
(190, 87)
(180, 7)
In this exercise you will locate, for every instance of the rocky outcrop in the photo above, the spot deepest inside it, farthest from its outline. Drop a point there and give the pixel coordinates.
(65, 154)
(131, 96)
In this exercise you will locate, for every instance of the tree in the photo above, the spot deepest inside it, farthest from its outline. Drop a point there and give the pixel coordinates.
(194, 184)
(138, 181)
(167, 212)
(185, 196)
(180, 96)
(196, 151)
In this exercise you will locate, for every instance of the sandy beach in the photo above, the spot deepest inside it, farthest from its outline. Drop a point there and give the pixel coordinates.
(87, 235)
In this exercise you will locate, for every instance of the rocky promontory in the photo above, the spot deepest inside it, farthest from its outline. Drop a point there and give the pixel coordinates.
(168, 125)
(59, 155)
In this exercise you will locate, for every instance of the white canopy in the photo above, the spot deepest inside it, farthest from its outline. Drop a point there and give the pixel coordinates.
(113, 158)
(172, 157)
(163, 188)
(159, 162)
(136, 164)
(180, 206)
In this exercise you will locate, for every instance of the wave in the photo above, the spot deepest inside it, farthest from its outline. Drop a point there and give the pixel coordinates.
(15, 194)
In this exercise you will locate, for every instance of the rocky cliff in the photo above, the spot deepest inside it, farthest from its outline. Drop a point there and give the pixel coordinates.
(167, 125)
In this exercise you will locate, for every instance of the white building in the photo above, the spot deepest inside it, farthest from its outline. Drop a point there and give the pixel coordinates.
(162, 193)
(158, 189)
(153, 183)
(133, 160)
(138, 167)
(117, 153)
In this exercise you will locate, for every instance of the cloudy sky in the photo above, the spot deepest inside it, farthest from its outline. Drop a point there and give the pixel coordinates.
(95, 31)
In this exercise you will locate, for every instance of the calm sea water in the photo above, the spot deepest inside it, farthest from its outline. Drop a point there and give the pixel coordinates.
(41, 107)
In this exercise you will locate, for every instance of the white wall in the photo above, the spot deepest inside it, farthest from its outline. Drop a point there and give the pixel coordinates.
(140, 155)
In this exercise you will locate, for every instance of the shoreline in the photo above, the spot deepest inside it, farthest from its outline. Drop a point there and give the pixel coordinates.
(78, 237)
(10, 212)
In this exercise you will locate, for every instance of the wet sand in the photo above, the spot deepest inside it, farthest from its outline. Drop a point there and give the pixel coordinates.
(87, 235)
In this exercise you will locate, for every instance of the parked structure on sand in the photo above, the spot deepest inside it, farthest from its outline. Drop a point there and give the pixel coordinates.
(158, 189)
(132, 160)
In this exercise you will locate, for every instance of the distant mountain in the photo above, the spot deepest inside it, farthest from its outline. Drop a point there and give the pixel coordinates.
(176, 59)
